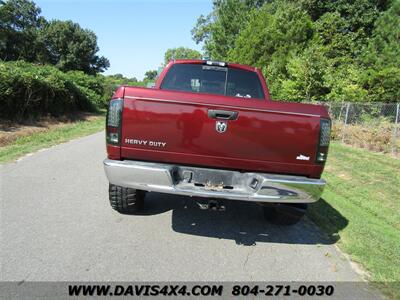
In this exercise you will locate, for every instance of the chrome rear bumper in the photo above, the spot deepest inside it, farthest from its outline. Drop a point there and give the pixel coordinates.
(213, 183)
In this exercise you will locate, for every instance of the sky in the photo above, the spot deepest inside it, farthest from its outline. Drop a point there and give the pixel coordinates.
(132, 34)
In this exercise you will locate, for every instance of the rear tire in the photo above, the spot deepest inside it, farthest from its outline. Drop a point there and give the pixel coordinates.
(126, 200)
(284, 214)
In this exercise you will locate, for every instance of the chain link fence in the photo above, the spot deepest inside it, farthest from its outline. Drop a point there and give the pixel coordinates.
(374, 126)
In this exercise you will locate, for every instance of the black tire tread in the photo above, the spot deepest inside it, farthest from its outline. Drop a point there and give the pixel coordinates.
(125, 200)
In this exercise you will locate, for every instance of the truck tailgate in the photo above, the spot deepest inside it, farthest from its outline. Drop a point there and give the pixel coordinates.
(261, 138)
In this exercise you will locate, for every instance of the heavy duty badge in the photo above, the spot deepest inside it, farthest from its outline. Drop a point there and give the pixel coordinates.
(221, 126)
(146, 143)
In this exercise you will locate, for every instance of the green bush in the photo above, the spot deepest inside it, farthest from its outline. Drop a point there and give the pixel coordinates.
(91, 87)
(111, 83)
(29, 90)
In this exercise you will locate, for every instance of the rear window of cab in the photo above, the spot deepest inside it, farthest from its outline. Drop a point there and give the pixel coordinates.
(198, 78)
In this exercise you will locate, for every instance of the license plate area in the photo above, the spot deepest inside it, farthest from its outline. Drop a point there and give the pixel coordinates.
(208, 179)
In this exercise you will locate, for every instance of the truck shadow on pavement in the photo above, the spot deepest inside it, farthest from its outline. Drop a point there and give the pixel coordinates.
(242, 222)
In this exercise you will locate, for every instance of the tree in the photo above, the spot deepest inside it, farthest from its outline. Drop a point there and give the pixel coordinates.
(343, 50)
(70, 47)
(384, 46)
(305, 76)
(272, 36)
(344, 83)
(337, 42)
(25, 35)
(20, 22)
(118, 76)
(381, 58)
(181, 53)
(219, 29)
(150, 75)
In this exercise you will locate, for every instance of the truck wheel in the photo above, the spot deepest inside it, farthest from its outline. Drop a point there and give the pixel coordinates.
(283, 213)
(125, 200)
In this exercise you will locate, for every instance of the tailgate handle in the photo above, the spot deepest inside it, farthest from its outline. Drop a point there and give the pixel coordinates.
(222, 114)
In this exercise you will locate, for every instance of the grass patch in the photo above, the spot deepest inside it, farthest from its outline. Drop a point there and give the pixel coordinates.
(363, 192)
(52, 136)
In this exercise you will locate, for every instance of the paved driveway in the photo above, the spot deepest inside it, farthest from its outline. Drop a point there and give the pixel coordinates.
(56, 224)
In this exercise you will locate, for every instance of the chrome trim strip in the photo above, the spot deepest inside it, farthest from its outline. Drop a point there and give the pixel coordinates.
(214, 183)
(225, 106)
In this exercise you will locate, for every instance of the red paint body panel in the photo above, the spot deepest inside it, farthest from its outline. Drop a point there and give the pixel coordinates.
(267, 136)
(119, 93)
(113, 152)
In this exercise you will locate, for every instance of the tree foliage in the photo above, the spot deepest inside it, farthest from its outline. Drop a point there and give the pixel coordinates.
(180, 53)
(28, 89)
(70, 47)
(337, 50)
(20, 24)
(273, 34)
(49, 67)
(219, 29)
(25, 35)
(381, 58)
(150, 75)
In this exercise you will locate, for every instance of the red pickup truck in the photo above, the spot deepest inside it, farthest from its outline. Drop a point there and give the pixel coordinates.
(210, 129)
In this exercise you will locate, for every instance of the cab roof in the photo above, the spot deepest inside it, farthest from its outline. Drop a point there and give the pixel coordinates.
(213, 62)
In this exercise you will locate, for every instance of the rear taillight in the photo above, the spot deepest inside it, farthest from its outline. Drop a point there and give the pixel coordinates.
(113, 122)
(324, 139)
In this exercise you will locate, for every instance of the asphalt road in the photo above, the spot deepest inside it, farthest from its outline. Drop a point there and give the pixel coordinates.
(57, 225)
